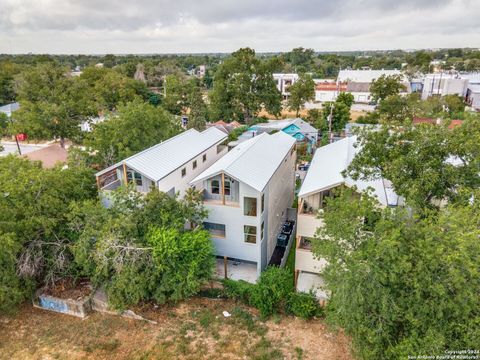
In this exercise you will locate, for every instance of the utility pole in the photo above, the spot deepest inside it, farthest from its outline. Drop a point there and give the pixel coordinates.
(16, 138)
(330, 116)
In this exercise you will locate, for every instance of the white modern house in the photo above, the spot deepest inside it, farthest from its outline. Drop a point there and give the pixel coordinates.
(441, 84)
(323, 176)
(168, 166)
(284, 81)
(247, 193)
(473, 89)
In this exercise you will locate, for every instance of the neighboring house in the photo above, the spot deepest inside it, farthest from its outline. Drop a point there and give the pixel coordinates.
(473, 89)
(227, 128)
(442, 84)
(328, 90)
(323, 176)
(359, 82)
(473, 96)
(247, 193)
(168, 166)
(297, 128)
(284, 81)
(86, 126)
(9, 108)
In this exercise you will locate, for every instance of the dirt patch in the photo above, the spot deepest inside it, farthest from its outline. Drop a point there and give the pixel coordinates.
(69, 289)
(191, 330)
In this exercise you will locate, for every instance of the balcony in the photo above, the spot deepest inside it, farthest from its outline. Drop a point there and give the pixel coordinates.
(305, 259)
(213, 193)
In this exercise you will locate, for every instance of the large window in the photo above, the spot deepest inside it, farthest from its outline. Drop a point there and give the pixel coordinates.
(217, 230)
(250, 206)
(132, 175)
(250, 234)
(215, 187)
(227, 187)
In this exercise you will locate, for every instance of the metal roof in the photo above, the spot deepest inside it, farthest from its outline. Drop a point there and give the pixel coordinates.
(365, 76)
(254, 161)
(160, 160)
(326, 169)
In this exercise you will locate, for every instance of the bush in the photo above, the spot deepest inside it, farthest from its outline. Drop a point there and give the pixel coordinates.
(303, 305)
(272, 290)
(239, 290)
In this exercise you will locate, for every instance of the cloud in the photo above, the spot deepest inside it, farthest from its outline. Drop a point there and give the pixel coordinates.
(224, 25)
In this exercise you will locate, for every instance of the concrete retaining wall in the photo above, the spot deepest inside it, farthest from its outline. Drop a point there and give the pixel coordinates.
(80, 308)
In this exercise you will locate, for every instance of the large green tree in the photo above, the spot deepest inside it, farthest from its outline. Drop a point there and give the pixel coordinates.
(243, 85)
(302, 91)
(134, 127)
(139, 249)
(426, 163)
(386, 85)
(34, 237)
(53, 105)
(402, 285)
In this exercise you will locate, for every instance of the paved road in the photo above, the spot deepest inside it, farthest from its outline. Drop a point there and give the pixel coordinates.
(11, 148)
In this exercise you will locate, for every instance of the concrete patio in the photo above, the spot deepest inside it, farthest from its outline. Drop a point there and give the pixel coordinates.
(236, 270)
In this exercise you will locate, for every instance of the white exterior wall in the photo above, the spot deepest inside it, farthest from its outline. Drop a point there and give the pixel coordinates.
(175, 180)
(444, 86)
(325, 96)
(305, 261)
(280, 192)
(362, 97)
(233, 245)
(307, 225)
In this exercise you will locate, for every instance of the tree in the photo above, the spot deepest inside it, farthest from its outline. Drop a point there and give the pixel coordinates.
(401, 284)
(52, 104)
(176, 92)
(426, 164)
(399, 109)
(139, 249)
(135, 127)
(111, 88)
(340, 116)
(386, 85)
(346, 98)
(34, 239)
(302, 91)
(243, 85)
(301, 59)
(198, 110)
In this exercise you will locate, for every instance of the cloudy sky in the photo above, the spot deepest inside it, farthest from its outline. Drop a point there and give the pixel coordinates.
(167, 26)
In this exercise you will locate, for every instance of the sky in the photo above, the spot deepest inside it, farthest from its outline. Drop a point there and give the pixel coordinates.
(205, 26)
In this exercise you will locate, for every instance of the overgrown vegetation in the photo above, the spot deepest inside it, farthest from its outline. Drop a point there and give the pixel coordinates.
(274, 293)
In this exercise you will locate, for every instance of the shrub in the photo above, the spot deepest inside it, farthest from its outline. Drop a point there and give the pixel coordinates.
(303, 305)
(239, 290)
(272, 290)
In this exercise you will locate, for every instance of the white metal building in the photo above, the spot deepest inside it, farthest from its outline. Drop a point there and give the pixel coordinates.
(247, 193)
(284, 81)
(168, 166)
(324, 175)
(441, 84)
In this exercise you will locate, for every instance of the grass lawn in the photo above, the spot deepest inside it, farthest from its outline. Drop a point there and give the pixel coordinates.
(193, 329)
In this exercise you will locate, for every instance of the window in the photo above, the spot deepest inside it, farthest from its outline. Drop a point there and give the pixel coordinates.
(217, 230)
(250, 206)
(263, 202)
(204, 157)
(194, 165)
(184, 172)
(220, 148)
(215, 187)
(262, 228)
(250, 234)
(227, 187)
(131, 175)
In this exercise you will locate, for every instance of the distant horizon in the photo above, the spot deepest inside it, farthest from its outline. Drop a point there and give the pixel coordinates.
(213, 53)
